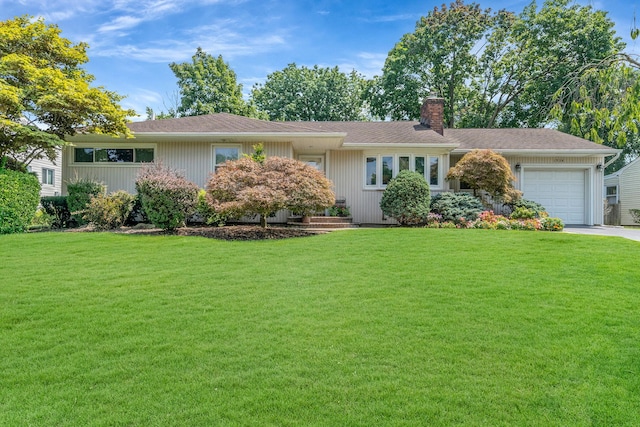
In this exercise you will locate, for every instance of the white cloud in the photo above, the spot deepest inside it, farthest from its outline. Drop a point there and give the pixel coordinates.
(393, 18)
(120, 23)
(367, 63)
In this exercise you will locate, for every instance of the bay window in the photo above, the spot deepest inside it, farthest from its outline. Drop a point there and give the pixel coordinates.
(389, 165)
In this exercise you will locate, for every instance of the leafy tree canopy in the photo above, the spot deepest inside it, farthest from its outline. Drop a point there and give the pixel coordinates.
(311, 94)
(208, 85)
(494, 69)
(45, 94)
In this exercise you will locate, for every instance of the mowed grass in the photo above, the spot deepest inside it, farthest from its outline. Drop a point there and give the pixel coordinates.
(360, 327)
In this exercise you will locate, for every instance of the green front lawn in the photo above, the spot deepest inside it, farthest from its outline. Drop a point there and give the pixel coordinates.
(360, 327)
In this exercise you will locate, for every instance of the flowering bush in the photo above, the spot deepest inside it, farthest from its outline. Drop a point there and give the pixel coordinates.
(167, 197)
(488, 220)
(552, 224)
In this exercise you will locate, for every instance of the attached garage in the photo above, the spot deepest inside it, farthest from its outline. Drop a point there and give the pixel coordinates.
(562, 192)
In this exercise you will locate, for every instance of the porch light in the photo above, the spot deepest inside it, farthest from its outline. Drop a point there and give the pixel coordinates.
(518, 167)
(599, 166)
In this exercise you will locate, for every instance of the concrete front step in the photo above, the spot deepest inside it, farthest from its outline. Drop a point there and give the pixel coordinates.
(322, 222)
(322, 225)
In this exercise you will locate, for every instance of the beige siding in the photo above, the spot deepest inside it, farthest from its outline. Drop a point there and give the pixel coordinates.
(629, 192)
(347, 173)
(195, 159)
(36, 167)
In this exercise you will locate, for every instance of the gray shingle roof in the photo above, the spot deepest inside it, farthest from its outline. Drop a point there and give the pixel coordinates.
(519, 139)
(214, 123)
(371, 133)
(396, 132)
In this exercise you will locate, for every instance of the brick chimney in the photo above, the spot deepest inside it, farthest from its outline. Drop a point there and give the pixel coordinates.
(432, 113)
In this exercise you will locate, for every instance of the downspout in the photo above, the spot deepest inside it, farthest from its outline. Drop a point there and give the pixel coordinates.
(615, 157)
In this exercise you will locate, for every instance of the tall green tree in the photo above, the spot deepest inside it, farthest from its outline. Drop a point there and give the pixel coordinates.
(557, 42)
(311, 94)
(208, 85)
(600, 103)
(439, 56)
(493, 69)
(45, 94)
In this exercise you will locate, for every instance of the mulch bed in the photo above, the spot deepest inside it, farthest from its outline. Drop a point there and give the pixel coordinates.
(229, 232)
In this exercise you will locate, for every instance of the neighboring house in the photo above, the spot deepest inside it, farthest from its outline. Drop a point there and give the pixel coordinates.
(622, 190)
(49, 174)
(561, 171)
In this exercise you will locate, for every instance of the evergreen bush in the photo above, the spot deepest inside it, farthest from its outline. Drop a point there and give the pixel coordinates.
(456, 207)
(407, 198)
(56, 207)
(538, 210)
(81, 191)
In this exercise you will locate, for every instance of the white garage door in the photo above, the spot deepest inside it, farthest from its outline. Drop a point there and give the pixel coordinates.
(561, 192)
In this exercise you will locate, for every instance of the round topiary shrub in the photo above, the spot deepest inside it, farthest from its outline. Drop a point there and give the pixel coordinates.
(167, 197)
(456, 206)
(19, 197)
(407, 198)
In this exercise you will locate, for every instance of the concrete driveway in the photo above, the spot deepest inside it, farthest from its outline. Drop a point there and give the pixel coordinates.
(605, 230)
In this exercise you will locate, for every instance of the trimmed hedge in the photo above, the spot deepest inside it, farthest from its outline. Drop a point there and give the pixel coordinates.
(19, 197)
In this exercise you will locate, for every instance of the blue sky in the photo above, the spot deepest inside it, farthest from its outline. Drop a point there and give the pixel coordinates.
(133, 41)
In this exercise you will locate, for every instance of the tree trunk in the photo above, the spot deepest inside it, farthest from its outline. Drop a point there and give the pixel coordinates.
(263, 221)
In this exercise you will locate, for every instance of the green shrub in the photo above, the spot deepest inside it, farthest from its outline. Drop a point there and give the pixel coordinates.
(81, 191)
(56, 207)
(407, 198)
(552, 224)
(341, 211)
(41, 220)
(167, 197)
(538, 210)
(522, 213)
(19, 196)
(137, 215)
(456, 206)
(109, 212)
(205, 210)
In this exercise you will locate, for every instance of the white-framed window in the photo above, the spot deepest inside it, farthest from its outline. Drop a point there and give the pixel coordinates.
(612, 194)
(48, 176)
(381, 168)
(223, 153)
(111, 155)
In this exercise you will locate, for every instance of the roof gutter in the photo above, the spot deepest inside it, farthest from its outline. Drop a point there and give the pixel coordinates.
(537, 152)
(373, 146)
